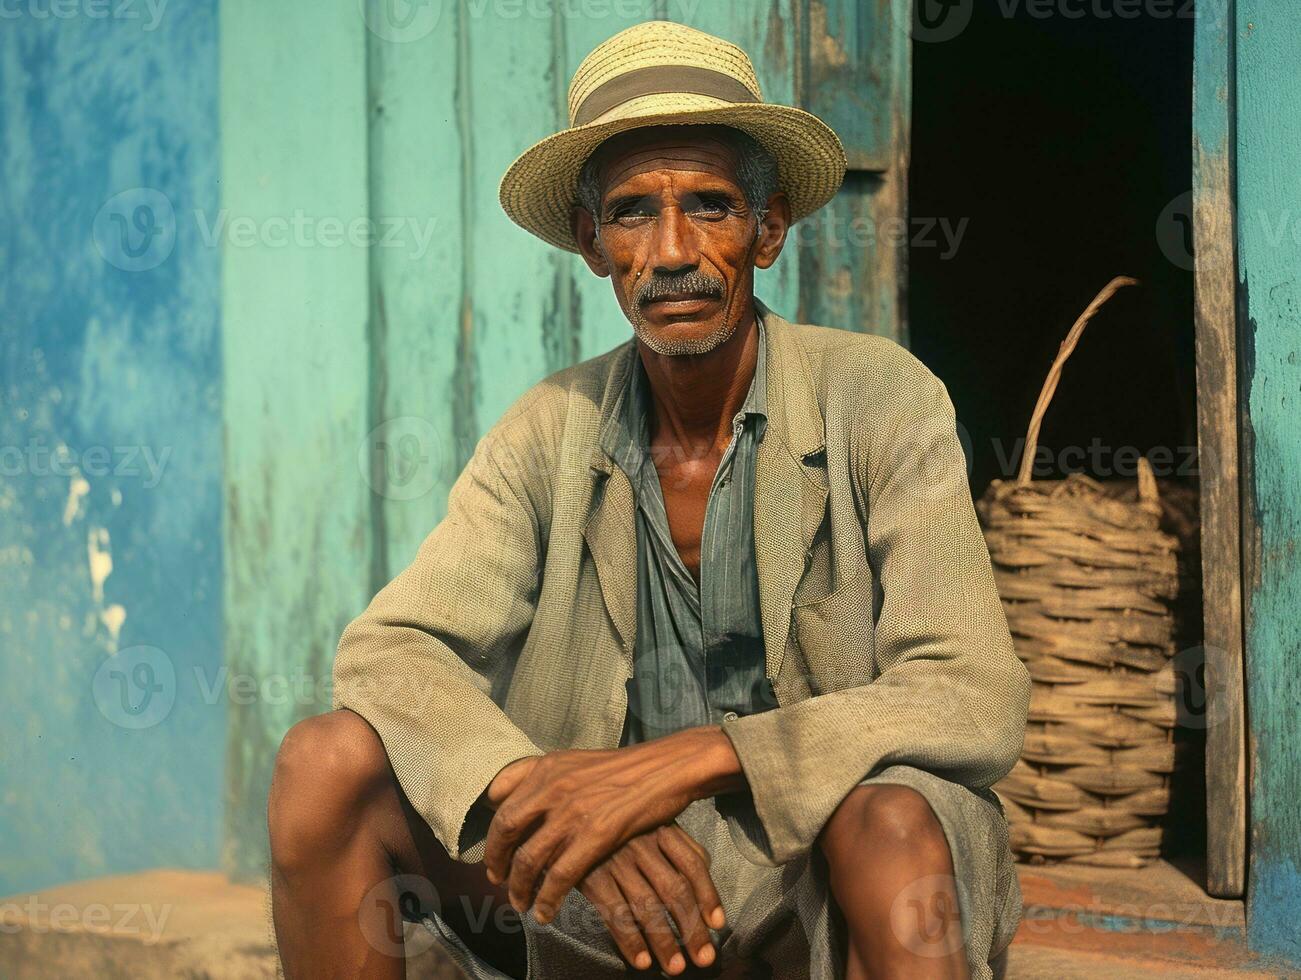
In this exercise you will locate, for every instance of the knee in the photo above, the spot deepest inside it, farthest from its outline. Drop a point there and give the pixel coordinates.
(327, 770)
(884, 823)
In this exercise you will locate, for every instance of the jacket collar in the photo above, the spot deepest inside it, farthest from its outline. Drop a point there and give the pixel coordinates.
(790, 402)
(790, 490)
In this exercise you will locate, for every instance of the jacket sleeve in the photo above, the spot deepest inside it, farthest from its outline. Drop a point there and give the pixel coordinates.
(421, 663)
(951, 696)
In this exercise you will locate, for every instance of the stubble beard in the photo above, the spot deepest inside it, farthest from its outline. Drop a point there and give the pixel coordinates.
(672, 346)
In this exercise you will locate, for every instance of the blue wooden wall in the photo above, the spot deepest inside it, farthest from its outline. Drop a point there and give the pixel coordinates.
(110, 481)
(1268, 60)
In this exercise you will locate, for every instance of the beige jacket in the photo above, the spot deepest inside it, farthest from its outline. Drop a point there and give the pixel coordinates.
(511, 633)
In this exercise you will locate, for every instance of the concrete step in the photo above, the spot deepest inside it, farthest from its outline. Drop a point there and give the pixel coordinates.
(1081, 923)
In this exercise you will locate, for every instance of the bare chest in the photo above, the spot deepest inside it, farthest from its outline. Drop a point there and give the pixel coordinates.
(685, 486)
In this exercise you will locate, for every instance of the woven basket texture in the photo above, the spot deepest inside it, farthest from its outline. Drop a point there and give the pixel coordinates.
(1090, 574)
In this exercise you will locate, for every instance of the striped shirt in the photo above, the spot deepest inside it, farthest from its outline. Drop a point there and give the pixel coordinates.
(699, 656)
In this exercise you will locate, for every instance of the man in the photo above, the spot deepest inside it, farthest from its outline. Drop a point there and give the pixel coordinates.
(705, 669)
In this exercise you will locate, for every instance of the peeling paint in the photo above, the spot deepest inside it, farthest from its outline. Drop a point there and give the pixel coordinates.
(78, 487)
(100, 559)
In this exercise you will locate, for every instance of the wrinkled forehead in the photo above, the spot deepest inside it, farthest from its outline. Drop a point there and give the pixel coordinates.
(690, 149)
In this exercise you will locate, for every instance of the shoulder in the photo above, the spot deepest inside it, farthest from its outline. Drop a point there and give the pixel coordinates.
(853, 372)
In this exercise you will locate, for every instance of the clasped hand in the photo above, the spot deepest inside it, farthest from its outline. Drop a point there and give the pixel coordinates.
(602, 821)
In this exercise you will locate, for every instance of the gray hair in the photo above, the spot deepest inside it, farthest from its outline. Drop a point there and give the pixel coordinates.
(756, 173)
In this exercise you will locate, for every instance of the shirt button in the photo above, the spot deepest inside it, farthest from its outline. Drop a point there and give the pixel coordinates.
(731, 716)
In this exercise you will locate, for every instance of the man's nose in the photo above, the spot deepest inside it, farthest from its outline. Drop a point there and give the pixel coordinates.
(673, 248)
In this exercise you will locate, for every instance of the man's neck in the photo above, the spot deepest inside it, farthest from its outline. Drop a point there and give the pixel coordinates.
(695, 396)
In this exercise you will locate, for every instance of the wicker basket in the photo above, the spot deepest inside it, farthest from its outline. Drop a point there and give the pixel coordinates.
(1087, 578)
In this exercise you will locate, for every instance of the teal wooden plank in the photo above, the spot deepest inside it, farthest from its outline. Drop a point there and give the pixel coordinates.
(1268, 62)
(518, 324)
(854, 254)
(294, 320)
(421, 414)
(851, 49)
(1217, 413)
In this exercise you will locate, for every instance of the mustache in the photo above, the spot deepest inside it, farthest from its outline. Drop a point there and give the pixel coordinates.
(693, 281)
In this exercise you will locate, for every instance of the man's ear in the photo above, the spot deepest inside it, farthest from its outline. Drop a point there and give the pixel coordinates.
(589, 246)
(772, 230)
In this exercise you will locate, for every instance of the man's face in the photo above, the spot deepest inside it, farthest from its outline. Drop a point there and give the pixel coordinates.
(676, 236)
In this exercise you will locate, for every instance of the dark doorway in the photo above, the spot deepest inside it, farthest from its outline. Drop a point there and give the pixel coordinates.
(1060, 147)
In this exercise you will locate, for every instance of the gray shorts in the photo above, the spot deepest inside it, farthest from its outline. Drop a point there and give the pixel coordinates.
(780, 921)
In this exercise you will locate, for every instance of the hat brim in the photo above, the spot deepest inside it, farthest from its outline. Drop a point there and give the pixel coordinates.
(539, 189)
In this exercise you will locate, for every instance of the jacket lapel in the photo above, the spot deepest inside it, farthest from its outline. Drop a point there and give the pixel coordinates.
(611, 536)
(790, 484)
(610, 529)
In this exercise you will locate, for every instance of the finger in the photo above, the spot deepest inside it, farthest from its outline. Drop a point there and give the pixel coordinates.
(570, 863)
(602, 892)
(527, 864)
(510, 824)
(677, 895)
(509, 779)
(692, 861)
(652, 917)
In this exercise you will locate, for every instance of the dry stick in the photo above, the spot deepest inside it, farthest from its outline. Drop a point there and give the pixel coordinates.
(1055, 373)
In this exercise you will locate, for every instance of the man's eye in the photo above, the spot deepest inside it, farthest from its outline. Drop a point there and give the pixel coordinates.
(629, 212)
(709, 206)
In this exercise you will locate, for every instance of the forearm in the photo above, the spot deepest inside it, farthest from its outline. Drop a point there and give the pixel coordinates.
(704, 761)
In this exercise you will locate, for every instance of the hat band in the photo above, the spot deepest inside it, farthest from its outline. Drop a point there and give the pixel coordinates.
(661, 80)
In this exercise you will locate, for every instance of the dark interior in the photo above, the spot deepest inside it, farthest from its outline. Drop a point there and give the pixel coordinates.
(1066, 145)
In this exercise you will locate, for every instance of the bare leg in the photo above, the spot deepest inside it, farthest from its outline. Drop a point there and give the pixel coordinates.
(892, 878)
(349, 853)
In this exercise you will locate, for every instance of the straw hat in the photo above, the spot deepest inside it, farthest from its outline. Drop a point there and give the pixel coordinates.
(660, 73)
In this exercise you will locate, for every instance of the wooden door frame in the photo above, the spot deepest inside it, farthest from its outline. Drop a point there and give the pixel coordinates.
(1223, 519)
